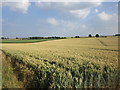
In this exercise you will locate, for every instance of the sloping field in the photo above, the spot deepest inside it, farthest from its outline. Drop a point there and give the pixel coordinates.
(71, 63)
(23, 41)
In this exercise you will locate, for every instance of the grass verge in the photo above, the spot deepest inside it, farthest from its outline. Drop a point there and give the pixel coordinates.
(9, 79)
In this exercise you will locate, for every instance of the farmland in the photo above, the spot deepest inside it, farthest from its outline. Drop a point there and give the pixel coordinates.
(24, 41)
(66, 63)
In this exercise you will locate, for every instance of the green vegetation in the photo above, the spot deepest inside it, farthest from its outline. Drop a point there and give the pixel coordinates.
(9, 79)
(24, 41)
(66, 63)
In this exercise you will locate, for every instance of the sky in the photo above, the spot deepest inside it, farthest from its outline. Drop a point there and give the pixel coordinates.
(67, 19)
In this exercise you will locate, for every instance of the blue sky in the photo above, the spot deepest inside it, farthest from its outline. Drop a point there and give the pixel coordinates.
(27, 19)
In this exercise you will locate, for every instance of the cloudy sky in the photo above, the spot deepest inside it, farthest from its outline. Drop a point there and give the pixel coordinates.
(25, 19)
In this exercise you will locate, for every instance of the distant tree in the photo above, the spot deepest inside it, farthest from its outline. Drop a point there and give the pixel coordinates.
(2, 38)
(17, 38)
(90, 35)
(117, 34)
(97, 35)
(77, 37)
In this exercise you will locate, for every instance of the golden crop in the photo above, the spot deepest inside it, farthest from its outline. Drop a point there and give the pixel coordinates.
(70, 50)
(66, 57)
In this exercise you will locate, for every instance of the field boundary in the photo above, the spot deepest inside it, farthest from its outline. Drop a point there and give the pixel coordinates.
(102, 42)
(9, 80)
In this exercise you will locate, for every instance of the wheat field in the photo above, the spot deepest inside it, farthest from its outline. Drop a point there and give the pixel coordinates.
(71, 63)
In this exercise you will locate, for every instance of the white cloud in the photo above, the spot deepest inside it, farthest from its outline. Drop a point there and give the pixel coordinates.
(103, 23)
(21, 6)
(96, 10)
(79, 8)
(104, 16)
(63, 25)
(80, 13)
(76, 9)
(59, 23)
(67, 5)
(43, 4)
(52, 21)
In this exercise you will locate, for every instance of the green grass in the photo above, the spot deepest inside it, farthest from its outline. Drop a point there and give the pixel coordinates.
(24, 41)
(9, 79)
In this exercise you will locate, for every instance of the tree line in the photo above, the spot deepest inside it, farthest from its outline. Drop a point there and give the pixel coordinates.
(36, 38)
(47, 37)
(97, 35)
(55, 37)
